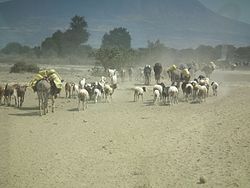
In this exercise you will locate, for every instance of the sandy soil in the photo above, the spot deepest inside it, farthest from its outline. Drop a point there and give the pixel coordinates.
(128, 144)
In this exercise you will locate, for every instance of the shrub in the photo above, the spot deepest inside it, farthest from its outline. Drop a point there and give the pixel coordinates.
(23, 67)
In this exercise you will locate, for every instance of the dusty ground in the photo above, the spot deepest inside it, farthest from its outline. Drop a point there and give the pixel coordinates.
(127, 144)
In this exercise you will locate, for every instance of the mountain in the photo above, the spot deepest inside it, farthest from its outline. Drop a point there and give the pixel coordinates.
(177, 23)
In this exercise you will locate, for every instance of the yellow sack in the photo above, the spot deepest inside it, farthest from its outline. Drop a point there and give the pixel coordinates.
(185, 72)
(172, 68)
(36, 78)
(57, 80)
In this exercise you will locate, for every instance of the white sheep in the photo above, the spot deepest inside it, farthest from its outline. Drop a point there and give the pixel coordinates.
(157, 95)
(215, 86)
(159, 88)
(83, 96)
(108, 91)
(202, 93)
(188, 91)
(173, 94)
(97, 95)
(139, 91)
(82, 83)
(75, 89)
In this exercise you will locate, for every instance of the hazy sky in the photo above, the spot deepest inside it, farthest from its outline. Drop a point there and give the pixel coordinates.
(236, 9)
(32, 27)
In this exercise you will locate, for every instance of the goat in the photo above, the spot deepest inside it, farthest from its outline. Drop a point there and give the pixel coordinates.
(138, 91)
(215, 86)
(97, 95)
(165, 94)
(20, 92)
(157, 95)
(109, 90)
(68, 88)
(202, 93)
(188, 91)
(173, 95)
(75, 89)
(82, 83)
(83, 96)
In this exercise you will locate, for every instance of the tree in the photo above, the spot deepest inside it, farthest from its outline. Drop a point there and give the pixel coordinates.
(117, 38)
(68, 42)
(77, 33)
(115, 57)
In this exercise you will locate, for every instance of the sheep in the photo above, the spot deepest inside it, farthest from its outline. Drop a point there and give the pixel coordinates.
(90, 88)
(188, 91)
(82, 83)
(139, 91)
(101, 85)
(215, 86)
(204, 81)
(68, 87)
(159, 87)
(156, 96)
(83, 96)
(165, 94)
(97, 95)
(112, 72)
(195, 89)
(20, 92)
(173, 95)
(202, 93)
(109, 90)
(75, 89)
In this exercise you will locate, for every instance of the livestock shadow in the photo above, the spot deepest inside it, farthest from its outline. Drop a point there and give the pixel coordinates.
(26, 114)
(194, 102)
(149, 103)
(73, 110)
(29, 108)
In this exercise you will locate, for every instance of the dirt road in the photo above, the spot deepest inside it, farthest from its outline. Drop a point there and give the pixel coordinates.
(128, 144)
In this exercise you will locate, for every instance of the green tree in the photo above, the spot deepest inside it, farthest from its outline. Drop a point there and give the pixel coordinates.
(68, 42)
(17, 49)
(115, 57)
(117, 38)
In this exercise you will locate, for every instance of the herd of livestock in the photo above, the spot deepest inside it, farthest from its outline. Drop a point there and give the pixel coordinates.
(192, 89)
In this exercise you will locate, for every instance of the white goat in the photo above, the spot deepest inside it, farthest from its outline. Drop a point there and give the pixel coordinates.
(159, 88)
(109, 90)
(138, 91)
(157, 95)
(97, 95)
(215, 86)
(202, 93)
(82, 83)
(173, 95)
(188, 91)
(83, 96)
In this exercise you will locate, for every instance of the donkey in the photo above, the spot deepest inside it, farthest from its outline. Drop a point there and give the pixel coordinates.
(46, 89)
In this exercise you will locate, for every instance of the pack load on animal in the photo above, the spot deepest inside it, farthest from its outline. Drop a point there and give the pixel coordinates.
(172, 68)
(49, 74)
(185, 74)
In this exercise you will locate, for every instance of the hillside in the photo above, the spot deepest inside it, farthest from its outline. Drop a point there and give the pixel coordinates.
(177, 23)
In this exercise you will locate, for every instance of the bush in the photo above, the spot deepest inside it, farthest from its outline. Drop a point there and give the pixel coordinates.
(23, 67)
